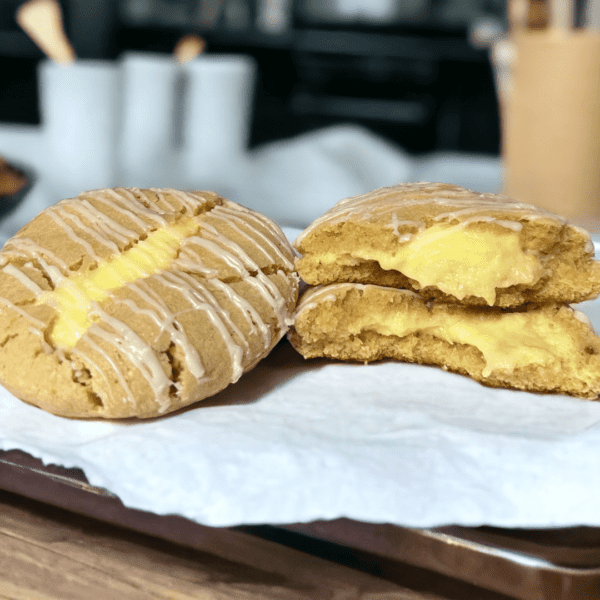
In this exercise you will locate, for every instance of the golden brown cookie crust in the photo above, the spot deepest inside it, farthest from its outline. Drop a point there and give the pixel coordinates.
(157, 343)
(351, 322)
(336, 246)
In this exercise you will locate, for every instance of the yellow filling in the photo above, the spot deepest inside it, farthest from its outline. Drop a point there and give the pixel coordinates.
(506, 341)
(74, 297)
(460, 260)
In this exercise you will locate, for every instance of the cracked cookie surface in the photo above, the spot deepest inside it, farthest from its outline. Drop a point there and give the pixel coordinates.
(136, 302)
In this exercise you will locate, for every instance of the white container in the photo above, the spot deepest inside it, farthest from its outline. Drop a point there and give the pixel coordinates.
(217, 117)
(79, 105)
(150, 112)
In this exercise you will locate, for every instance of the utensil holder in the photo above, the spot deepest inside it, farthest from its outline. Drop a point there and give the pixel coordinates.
(551, 122)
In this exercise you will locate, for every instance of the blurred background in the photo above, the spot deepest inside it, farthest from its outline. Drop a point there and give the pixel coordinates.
(416, 72)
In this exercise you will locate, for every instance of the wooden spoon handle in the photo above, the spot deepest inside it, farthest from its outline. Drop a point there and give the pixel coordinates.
(188, 47)
(42, 21)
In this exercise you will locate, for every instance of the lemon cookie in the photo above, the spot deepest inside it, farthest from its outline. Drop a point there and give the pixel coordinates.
(548, 348)
(451, 244)
(137, 302)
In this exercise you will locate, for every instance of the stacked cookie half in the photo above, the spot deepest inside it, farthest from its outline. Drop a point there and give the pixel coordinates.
(437, 274)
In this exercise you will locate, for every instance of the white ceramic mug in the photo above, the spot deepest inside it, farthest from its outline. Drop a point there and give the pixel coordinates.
(217, 117)
(79, 105)
(149, 120)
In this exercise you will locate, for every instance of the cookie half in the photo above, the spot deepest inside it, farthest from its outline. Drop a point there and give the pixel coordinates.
(448, 243)
(137, 302)
(545, 349)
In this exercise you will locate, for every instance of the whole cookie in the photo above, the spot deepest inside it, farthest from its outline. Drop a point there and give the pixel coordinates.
(448, 243)
(137, 302)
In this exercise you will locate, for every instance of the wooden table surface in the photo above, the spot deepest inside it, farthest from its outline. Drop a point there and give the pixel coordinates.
(48, 553)
(62, 539)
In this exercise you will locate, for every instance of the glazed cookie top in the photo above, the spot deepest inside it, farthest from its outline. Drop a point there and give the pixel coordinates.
(450, 243)
(408, 208)
(131, 302)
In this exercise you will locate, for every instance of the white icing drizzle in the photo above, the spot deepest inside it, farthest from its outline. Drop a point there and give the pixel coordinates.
(396, 223)
(121, 200)
(389, 201)
(163, 203)
(229, 292)
(250, 215)
(458, 214)
(46, 347)
(33, 320)
(231, 222)
(512, 225)
(188, 200)
(190, 262)
(583, 318)
(137, 351)
(233, 259)
(79, 224)
(166, 321)
(186, 255)
(254, 320)
(264, 240)
(199, 298)
(23, 279)
(186, 263)
(22, 247)
(72, 235)
(55, 275)
(267, 289)
(87, 360)
(110, 227)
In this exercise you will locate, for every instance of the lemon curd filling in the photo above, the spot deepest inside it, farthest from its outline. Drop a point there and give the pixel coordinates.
(461, 260)
(506, 341)
(75, 296)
